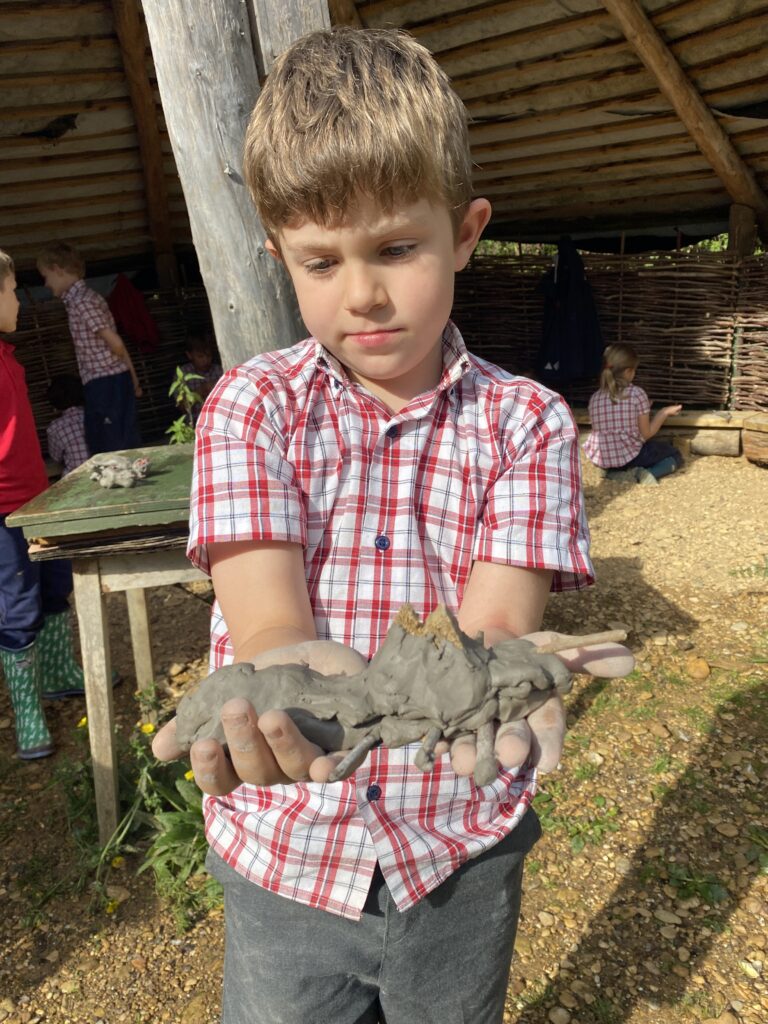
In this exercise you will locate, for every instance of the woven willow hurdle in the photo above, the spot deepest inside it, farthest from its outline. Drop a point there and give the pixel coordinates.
(699, 321)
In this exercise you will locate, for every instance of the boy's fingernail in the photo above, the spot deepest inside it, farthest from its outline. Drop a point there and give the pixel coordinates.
(274, 734)
(235, 720)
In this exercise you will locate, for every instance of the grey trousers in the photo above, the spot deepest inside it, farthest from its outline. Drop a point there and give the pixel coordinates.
(444, 961)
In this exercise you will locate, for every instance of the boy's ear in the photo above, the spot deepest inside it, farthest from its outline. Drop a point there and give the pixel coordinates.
(273, 250)
(471, 228)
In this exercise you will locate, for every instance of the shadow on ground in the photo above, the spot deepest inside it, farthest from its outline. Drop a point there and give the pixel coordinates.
(703, 849)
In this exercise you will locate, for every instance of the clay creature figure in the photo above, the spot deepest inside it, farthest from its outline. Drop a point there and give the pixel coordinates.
(428, 681)
(118, 471)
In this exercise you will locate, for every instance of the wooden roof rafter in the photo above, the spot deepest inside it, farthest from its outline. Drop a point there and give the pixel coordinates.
(132, 41)
(704, 128)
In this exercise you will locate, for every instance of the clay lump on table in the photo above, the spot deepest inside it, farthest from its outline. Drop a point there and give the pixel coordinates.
(427, 681)
(118, 470)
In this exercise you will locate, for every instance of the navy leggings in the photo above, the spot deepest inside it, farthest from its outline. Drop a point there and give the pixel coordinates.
(28, 590)
(653, 452)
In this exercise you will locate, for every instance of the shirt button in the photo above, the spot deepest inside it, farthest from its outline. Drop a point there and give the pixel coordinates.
(382, 542)
(373, 792)
(393, 431)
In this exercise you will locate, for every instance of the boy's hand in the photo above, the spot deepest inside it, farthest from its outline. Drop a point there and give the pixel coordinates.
(267, 749)
(538, 739)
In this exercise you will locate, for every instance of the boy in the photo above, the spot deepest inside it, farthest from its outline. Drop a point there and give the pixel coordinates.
(35, 630)
(66, 434)
(200, 353)
(110, 383)
(376, 463)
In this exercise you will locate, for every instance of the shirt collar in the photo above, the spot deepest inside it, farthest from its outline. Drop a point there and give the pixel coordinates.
(73, 290)
(455, 360)
(6, 348)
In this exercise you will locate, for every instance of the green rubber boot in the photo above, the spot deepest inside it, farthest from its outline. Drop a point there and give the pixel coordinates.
(60, 674)
(22, 676)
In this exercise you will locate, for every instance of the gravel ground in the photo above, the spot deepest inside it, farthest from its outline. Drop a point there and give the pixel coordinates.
(645, 902)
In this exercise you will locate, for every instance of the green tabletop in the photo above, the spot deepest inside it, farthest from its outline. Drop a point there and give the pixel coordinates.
(77, 505)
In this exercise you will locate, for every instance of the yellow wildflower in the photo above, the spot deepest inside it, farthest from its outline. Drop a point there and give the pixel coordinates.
(147, 728)
(189, 775)
(83, 722)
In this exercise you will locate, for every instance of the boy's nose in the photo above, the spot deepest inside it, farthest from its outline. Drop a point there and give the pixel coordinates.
(364, 290)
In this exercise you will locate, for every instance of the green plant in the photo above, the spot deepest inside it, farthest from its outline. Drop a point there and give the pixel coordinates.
(757, 570)
(182, 430)
(162, 821)
(689, 883)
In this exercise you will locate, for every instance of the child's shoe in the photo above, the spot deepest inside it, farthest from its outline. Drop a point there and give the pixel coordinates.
(645, 476)
(22, 676)
(622, 475)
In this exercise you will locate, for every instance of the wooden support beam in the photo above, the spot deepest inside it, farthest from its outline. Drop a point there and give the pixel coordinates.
(130, 35)
(712, 140)
(742, 230)
(344, 12)
(276, 24)
(207, 75)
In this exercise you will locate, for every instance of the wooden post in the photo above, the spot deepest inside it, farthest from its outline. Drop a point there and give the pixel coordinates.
(130, 36)
(742, 230)
(705, 130)
(97, 669)
(278, 24)
(206, 71)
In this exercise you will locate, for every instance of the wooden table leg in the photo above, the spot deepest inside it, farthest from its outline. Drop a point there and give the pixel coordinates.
(141, 637)
(97, 668)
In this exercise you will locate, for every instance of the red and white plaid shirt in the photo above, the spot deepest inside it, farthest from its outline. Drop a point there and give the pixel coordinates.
(389, 508)
(88, 313)
(66, 439)
(615, 438)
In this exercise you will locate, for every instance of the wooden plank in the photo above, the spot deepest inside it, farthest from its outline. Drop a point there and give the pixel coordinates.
(141, 637)
(76, 504)
(690, 107)
(710, 420)
(278, 24)
(206, 72)
(97, 669)
(147, 569)
(130, 34)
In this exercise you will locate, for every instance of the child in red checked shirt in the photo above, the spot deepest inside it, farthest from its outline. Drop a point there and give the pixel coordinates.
(66, 434)
(622, 429)
(376, 463)
(109, 379)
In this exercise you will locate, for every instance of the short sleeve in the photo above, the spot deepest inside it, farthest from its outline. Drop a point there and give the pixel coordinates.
(643, 402)
(55, 446)
(97, 315)
(243, 484)
(534, 514)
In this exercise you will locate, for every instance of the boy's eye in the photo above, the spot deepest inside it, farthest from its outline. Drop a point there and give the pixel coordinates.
(319, 266)
(399, 251)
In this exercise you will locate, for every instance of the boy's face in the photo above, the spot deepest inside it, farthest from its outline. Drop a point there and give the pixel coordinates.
(201, 361)
(378, 290)
(57, 279)
(9, 304)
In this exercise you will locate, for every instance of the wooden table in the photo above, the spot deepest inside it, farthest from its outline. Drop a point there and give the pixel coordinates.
(118, 539)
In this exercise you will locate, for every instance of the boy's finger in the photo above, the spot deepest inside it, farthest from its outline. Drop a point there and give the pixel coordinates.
(608, 661)
(547, 724)
(164, 745)
(513, 743)
(249, 752)
(464, 754)
(292, 751)
(213, 772)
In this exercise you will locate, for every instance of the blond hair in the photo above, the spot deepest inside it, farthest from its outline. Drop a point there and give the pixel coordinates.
(617, 359)
(7, 269)
(346, 113)
(62, 255)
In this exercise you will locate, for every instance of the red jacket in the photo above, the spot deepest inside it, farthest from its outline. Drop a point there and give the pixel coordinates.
(22, 470)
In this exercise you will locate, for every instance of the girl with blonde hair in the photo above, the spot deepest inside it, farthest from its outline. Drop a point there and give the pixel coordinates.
(622, 428)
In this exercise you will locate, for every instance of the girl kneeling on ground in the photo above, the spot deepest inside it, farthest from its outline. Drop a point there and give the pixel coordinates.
(622, 428)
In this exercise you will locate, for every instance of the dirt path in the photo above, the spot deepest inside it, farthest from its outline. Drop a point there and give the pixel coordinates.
(647, 900)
